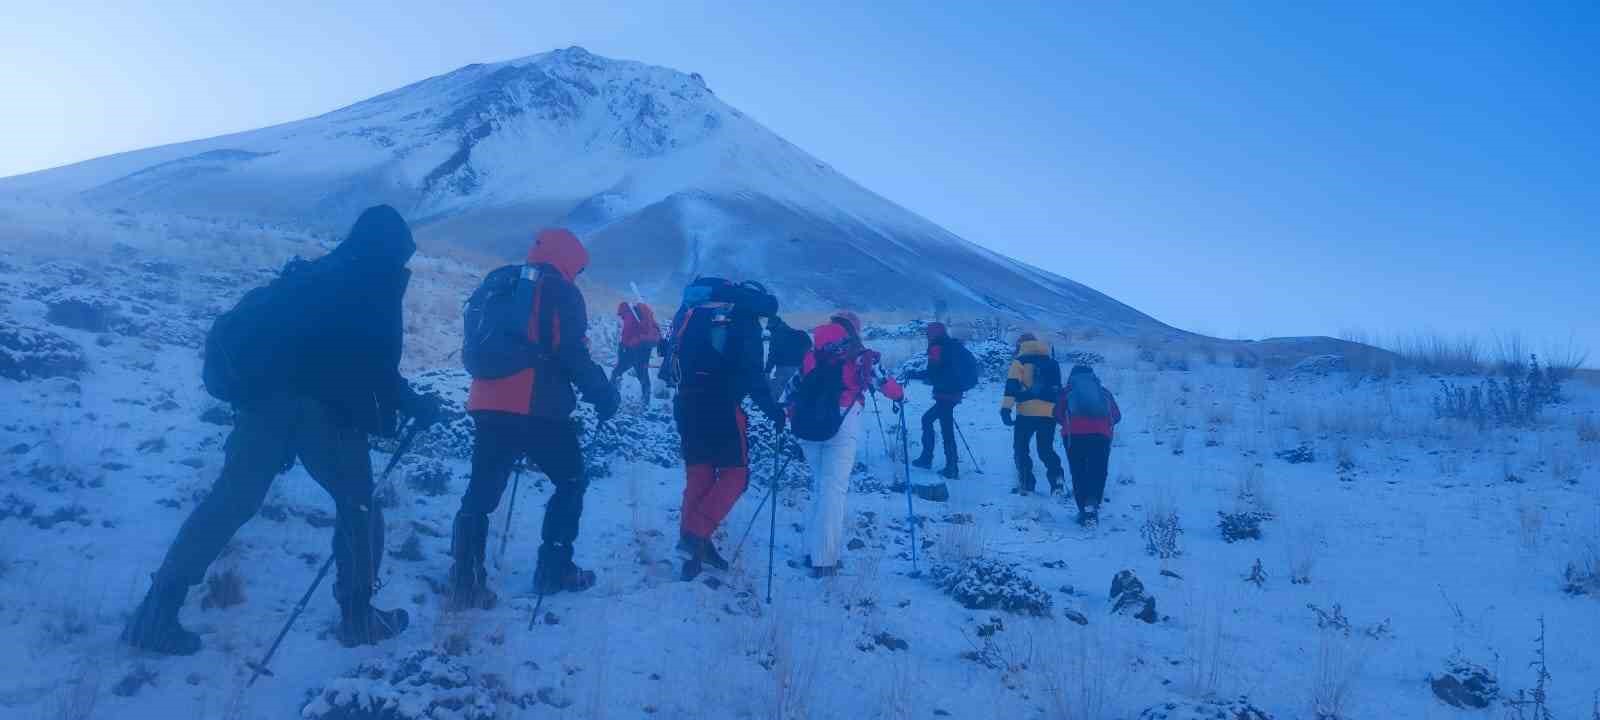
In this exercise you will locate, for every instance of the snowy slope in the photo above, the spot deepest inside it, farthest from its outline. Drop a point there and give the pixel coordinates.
(1431, 539)
(665, 179)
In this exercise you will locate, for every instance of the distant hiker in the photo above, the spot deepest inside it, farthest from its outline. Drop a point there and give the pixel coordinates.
(951, 371)
(1088, 413)
(532, 322)
(786, 350)
(640, 335)
(311, 364)
(825, 407)
(716, 359)
(1032, 385)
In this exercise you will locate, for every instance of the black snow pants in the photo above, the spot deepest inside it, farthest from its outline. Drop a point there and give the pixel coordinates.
(942, 412)
(1089, 456)
(549, 443)
(1039, 431)
(267, 437)
(636, 359)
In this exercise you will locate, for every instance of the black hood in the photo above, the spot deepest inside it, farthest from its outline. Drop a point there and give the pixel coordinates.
(379, 234)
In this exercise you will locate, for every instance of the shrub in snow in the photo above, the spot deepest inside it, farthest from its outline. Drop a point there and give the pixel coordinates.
(650, 437)
(424, 685)
(1160, 531)
(1320, 366)
(1082, 357)
(1465, 684)
(1128, 597)
(914, 328)
(28, 353)
(1241, 525)
(426, 476)
(1236, 709)
(985, 584)
(81, 309)
(1298, 456)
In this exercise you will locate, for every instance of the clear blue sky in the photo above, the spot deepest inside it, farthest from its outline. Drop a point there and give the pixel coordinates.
(1250, 169)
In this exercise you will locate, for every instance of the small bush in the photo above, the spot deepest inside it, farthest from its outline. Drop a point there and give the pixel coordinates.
(1241, 525)
(986, 584)
(1588, 429)
(1160, 532)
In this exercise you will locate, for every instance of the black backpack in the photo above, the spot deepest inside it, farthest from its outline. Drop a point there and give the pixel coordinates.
(815, 401)
(719, 337)
(964, 365)
(494, 338)
(251, 349)
(1046, 379)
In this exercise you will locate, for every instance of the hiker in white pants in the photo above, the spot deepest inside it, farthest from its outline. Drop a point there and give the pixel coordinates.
(831, 389)
(831, 462)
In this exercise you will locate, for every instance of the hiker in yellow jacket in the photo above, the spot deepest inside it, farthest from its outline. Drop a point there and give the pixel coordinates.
(1029, 409)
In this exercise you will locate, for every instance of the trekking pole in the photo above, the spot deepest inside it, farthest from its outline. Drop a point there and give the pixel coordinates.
(260, 668)
(911, 513)
(511, 509)
(772, 533)
(772, 490)
(974, 458)
(881, 434)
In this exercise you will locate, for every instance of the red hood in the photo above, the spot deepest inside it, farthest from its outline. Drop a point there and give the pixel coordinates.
(560, 249)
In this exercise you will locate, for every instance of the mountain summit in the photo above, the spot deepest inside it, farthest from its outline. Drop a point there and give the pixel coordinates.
(662, 178)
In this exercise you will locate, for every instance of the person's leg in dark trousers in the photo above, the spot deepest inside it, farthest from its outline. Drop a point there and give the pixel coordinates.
(1022, 431)
(499, 440)
(1044, 432)
(947, 429)
(337, 457)
(641, 368)
(257, 450)
(928, 419)
(624, 364)
(1088, 456)
(556, 451)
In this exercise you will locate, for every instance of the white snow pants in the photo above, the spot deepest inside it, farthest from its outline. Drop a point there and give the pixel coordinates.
(831, 462)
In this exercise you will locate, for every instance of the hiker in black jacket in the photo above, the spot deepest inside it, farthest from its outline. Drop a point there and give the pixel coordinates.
(947, 394)
(786, 350)
(342, 384)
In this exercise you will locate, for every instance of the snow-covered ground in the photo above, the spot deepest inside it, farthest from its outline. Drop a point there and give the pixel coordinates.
(1410, 541)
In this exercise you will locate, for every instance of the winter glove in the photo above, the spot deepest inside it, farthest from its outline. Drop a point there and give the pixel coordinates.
(1005, 417)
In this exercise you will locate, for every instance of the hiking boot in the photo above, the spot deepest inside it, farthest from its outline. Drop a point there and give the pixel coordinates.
(569, 579)
(702, 550)
(925, 462)
(692, 567)
(950, 472)
(1089, 516)
(469, 581)
(824, 572)
(154, 625)
(557, 573)
(362, 624)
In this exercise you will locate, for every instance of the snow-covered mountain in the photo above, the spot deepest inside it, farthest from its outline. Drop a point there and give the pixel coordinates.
(663, 178)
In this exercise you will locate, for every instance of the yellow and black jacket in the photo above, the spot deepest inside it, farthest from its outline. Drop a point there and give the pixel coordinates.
(1033, 381)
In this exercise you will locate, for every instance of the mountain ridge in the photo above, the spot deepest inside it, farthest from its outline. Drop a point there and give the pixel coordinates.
(635, 157)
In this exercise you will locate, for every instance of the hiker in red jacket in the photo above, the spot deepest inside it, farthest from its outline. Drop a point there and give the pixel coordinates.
(837, 349)
(529, 413)
(640, 335)
(715, 353)
(943, 376)
(1088, 414)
